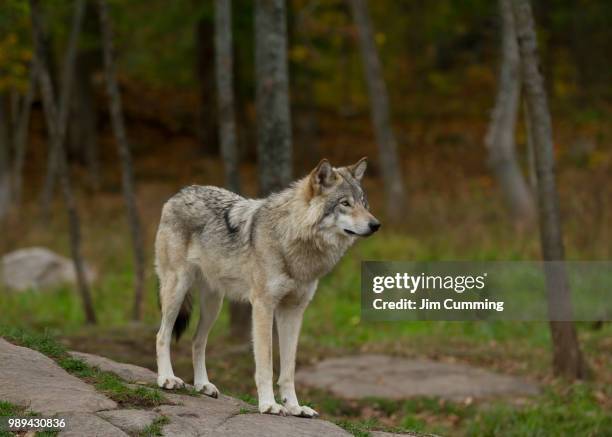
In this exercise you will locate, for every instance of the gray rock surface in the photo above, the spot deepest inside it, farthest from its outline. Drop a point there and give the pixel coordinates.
(30, 378)
(361, 376)
(132, 421)
(266, 425)
(90, 425)
(128, 372)
(38, 268)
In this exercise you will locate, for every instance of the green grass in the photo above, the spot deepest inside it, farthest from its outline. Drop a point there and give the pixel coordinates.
(251, 400)
(105, 382)
(574, 411)
(155, 428)
(10, 409)
(360, 428)
(332, 327)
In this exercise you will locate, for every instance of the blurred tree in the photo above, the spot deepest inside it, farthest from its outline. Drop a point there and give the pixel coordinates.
(21, 136)
(567, 357)
(239, 312)
(500, 140)
(244, 76)
(54, 120)
(303, 78)
(272, 96)
(67, 74)
(379, 106)
(5, 146)
(83, 141)
(225, 93)
(205, 53)
(123, 147)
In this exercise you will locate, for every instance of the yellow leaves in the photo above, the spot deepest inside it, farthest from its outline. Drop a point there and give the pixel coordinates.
(299, 53)
(380, 38)
(599, 158)
(13, 63)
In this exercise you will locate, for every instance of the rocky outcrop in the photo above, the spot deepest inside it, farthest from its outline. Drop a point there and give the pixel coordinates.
(35, 381)
(29, 378)
(127, 372)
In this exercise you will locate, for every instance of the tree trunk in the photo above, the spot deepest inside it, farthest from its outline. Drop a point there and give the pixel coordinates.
(53, 119)
(21, 136)
(83, 138)
(240, 313)
(305, 122)
(83, 129)
(225, 93)
(379, 106)
(64, 107)
(567, 357)
(207, 117)
(533, 179)
(5, 143)
(500, 139)
(272, 97)
(123, 147)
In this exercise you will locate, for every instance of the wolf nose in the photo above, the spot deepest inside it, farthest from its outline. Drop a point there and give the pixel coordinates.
(374, 226)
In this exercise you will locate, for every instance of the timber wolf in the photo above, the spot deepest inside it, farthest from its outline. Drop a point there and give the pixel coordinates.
(269, 252)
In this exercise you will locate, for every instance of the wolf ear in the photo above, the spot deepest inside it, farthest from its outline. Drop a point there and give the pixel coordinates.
(358, 169)
(322, 176)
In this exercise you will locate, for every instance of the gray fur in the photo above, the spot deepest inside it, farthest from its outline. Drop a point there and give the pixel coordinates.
(270, 252)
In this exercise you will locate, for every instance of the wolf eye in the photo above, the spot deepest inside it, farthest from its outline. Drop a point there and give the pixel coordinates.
(345, 203)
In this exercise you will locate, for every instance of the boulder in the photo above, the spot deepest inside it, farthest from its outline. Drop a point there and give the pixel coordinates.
(38, 268)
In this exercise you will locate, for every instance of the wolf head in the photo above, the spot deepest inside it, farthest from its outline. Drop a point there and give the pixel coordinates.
(340, 200)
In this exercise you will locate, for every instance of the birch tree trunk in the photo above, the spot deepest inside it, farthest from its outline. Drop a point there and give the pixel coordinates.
(53, 120)
(379, 107)
(240, 313)
(567, 357)
(500, 139)
(274, 146)
(127, 173)
(64, 106)
(21, 136)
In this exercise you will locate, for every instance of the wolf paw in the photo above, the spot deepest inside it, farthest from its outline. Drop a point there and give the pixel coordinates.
(208, 389)
(170, 382)
(273, 408)
(301, 411)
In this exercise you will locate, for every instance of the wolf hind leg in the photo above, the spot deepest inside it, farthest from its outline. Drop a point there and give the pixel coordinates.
(174, 288)
(210, 306)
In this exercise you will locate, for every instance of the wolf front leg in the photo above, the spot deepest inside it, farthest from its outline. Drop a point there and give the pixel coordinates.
(263, 316)
(288, 323)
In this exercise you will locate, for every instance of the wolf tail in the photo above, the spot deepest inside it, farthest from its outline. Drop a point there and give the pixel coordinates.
(182, 320)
